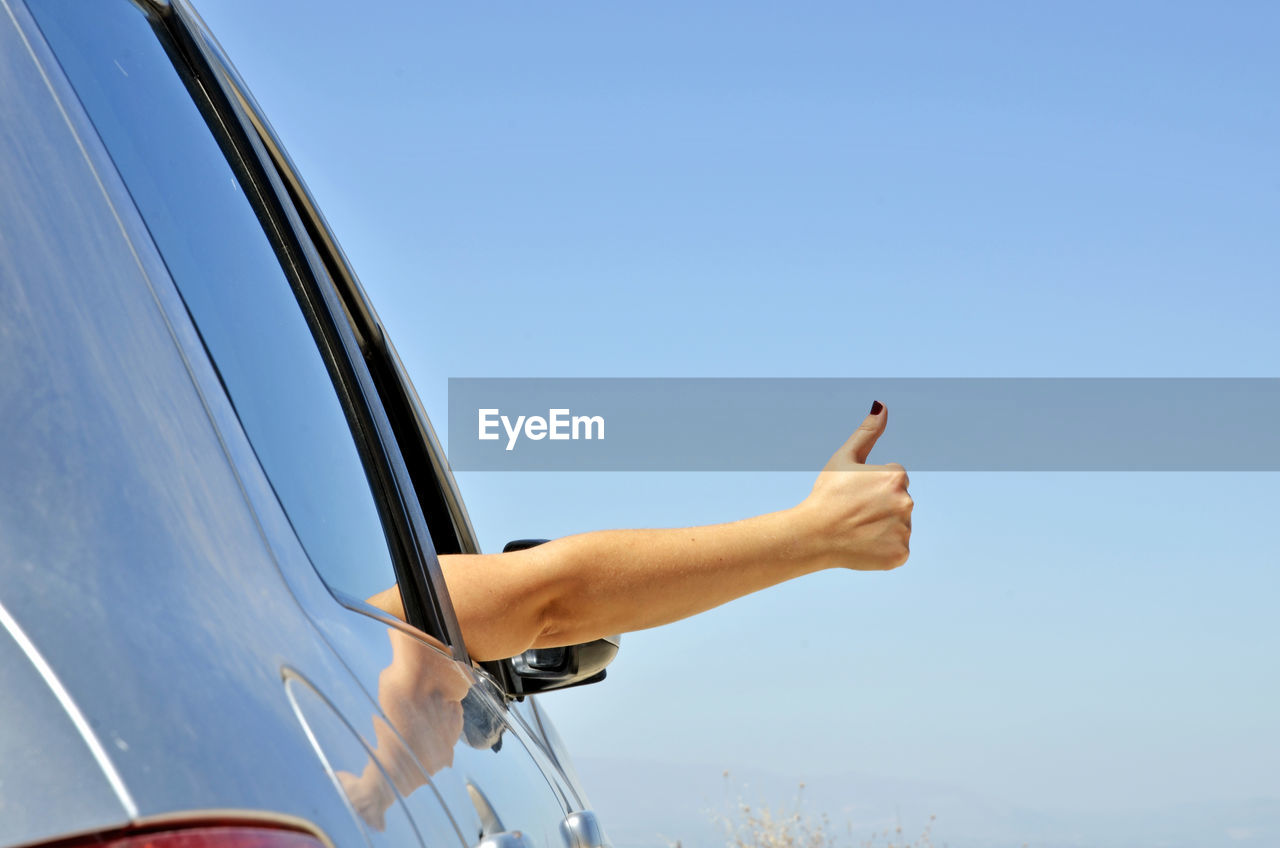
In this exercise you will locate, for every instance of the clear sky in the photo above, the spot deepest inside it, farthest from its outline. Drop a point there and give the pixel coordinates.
(852, 189)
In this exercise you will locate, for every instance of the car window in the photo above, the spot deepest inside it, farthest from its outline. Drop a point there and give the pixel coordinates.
(235, 280)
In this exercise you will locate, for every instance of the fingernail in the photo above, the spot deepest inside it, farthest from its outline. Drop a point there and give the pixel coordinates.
(877, 408)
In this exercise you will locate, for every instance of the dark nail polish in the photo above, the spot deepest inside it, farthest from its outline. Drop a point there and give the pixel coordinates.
(877, 408)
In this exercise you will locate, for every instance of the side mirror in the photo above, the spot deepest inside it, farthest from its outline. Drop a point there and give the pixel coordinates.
(546, 669)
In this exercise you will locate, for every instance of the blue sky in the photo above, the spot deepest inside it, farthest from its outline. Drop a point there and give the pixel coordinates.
(823, 189)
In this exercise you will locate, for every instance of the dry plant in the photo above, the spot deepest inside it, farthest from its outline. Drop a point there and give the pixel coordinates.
(765, 826)
(894, 838)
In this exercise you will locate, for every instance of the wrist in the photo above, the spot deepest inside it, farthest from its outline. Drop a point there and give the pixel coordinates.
(806, 546)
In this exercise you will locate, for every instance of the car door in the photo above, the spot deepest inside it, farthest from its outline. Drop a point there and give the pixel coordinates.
(316, 454)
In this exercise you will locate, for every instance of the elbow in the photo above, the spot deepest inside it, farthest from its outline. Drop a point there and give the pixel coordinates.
(555, 594)
(526, 626)
(553, 625)
(511, 602)
(564, 611)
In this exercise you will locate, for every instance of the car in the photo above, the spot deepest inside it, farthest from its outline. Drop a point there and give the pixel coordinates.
(213, 460)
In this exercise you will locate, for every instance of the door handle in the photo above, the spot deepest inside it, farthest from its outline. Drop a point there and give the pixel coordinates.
(582, 830)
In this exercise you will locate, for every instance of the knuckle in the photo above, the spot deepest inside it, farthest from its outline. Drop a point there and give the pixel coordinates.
(897, 474)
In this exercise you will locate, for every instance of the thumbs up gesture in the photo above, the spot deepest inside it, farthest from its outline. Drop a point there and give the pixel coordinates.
(859, 515)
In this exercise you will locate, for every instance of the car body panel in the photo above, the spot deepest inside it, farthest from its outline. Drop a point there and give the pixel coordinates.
(130, 556)
(64, 759)
(190, 658)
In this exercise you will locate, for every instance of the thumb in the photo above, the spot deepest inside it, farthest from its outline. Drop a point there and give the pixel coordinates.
(864, 438)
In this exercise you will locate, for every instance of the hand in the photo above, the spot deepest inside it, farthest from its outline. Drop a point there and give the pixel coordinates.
(859, 516)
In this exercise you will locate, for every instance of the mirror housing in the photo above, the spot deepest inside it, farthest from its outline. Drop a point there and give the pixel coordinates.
(547, 669)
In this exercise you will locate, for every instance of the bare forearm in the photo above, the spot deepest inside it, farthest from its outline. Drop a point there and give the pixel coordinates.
(582, 587)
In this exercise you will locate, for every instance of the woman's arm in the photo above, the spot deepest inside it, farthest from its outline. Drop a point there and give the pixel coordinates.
(582, 587)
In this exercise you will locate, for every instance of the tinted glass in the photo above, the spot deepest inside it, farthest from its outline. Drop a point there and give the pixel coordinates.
(231, 279)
